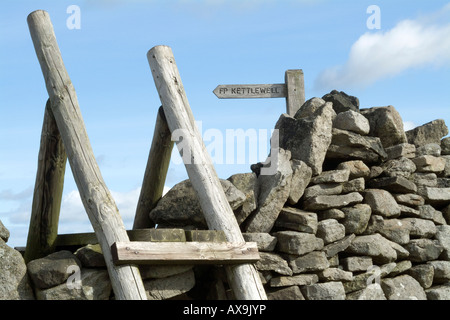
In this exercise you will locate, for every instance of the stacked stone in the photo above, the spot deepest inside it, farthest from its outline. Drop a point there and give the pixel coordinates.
(14, 282)
(374, 225)
(356, 209)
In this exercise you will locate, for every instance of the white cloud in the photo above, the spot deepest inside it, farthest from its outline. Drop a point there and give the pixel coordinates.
(409, 125)
(422, 42)
(73, 217)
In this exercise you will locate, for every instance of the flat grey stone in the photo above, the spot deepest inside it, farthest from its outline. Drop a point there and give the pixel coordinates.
(169, 287)
(409, 199)
(299, 243)
(273, 262)
(422, 250)
(432, 149)
(401, 167)
(332, 201)
(381, 202)
(396, 184)
(301, 176)
(355, 185)
(4, 232)
(352, 121)
(14, 281)
(335, 274)
(273, 193)
(406, 150)
(330, 230)
(403, 287)
(308, 137)
(332, 176)
(346, 145)
(431, 132)
(94, 284)
(423, 273)
(334, 248)
(441, 292)
(324, 291)
(443, 238)
(358, 169)
(387, 124)
(435, 196)
(375, 246)
(297, 220)
(289, 293)
(441, 271)
(310, 262)
(264, 241)
(322, 189)
(53, 269)
(297, 280)
(371, 292)
(341, 101)
(429, 164)
(357, 263)
(356, 218)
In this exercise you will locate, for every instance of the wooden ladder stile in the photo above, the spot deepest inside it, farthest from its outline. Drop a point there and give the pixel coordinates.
(97, 200)
(64, 137)
(243, 278)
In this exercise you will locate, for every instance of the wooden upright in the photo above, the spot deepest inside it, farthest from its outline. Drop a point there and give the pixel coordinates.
(97, 200)
(48, 190)
(155, 172)
(243, 278)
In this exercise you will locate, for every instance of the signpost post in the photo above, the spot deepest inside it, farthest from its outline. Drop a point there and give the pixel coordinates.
(293, 90)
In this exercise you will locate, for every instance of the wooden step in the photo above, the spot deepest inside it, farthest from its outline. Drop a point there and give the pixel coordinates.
(140, 252)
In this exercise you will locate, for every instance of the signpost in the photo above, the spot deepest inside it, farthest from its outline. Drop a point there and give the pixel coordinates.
(293, 90)
(243, 91)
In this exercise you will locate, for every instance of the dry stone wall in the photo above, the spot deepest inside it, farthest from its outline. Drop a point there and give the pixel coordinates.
(357, 209)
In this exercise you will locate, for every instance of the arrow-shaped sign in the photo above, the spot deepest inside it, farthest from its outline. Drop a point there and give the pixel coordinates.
(247, 91)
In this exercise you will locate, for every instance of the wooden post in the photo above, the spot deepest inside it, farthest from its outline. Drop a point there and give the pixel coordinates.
(295, 85)
(97, 200)
(48, 190)
(243, 279)
(155, 172)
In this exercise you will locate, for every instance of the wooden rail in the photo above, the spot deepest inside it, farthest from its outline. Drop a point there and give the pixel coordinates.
(184, 252)
(243, 278)
(97, 200)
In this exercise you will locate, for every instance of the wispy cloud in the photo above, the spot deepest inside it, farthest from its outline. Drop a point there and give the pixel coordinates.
(422, 42)
(73, 217)
(10, 195)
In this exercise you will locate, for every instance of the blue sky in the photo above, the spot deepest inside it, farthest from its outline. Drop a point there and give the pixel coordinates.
(405, 63)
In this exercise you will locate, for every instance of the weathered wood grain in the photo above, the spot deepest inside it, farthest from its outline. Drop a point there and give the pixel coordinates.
(184, 252)
(97, 200)
(155, 172)
(244, 279)
(250, 91)
(48, 190)
(295, 84)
